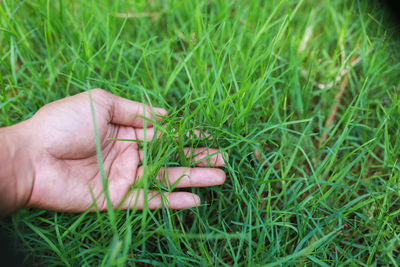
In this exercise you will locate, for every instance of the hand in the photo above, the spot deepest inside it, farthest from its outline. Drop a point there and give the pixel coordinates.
(65, 167)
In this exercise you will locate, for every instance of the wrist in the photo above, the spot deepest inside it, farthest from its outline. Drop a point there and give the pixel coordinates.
(16, 171)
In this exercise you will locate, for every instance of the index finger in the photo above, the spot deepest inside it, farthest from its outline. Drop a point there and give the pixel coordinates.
(131, 113)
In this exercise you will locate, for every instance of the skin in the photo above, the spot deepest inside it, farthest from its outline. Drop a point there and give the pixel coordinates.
(50, 160)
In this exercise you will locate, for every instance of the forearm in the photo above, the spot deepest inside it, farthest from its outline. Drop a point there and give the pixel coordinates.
(16, 172)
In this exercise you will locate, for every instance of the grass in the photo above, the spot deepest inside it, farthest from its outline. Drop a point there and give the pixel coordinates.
(257, 75)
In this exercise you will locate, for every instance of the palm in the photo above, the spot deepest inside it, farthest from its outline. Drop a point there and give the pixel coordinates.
(67, 176)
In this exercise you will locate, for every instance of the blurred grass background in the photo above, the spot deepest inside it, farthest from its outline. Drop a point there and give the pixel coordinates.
(311, 86)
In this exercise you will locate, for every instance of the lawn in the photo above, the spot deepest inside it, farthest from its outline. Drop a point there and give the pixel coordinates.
(303, 95)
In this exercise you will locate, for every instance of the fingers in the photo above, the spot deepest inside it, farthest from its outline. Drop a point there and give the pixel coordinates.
(155, 200)
(202, 157)
(180, 177)
(206, 156)
(147, 135)
(130, 113)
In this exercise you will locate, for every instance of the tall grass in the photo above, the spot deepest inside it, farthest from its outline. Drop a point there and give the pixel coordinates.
(258, 76)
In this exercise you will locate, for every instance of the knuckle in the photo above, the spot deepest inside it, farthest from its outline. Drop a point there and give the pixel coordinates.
(98, 92)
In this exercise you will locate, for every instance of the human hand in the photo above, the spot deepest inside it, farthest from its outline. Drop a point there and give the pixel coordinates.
(65, 171)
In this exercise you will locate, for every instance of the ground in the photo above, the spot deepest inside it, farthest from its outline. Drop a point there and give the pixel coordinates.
(303, 95)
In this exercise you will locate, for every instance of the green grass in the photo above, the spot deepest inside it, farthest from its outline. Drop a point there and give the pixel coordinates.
(250, 73)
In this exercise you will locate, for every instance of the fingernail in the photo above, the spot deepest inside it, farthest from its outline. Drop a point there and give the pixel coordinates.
(160, 112)
(220, 179)
(220, 158)
(196, 199)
